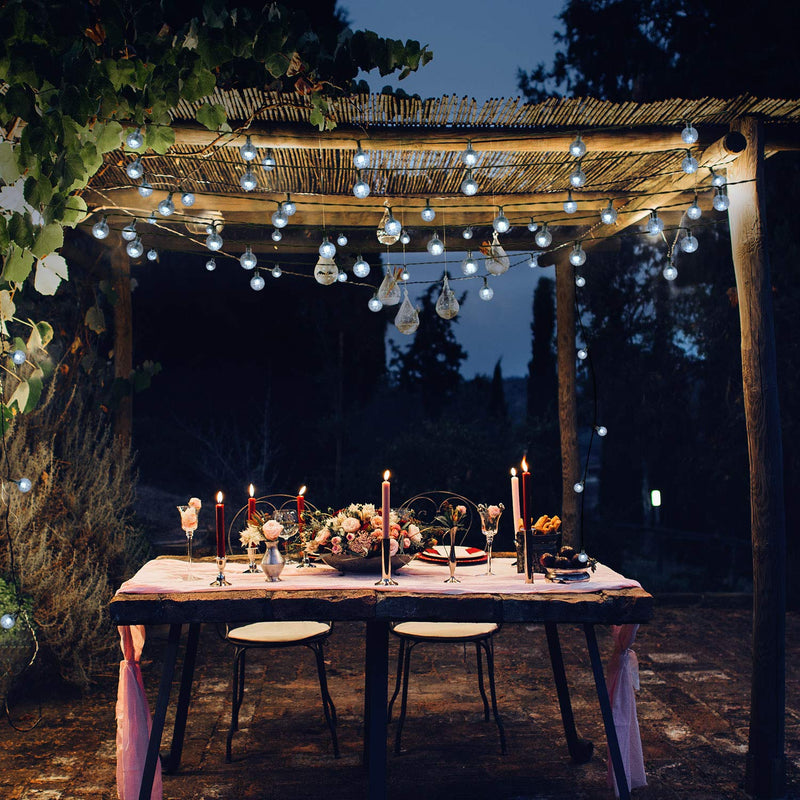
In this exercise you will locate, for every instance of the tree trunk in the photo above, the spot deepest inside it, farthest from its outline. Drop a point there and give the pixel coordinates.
(123, 342)
(567, 403)
(766, 759)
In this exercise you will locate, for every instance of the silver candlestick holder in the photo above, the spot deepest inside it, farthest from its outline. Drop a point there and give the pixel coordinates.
(386, 566)
(220, 579)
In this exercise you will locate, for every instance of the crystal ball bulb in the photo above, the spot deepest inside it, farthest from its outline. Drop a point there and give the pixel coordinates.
(213, 241)
(428, 214)
(469, 266)
(166, 207)
(24, 485)
(435, 246)
(694, 211)
(247, 259)
(279, 219)
(257, 283)
(187, 198)
(145, 189)
(8, 621)
(689, 165)
(152, 254)
(670, 273)
(100, 229)
(134, 139)
(19, 357)
(135, 169)
(602, 430)
(486, 293)
(583, 354)
(467, 233)
(533, 226)
(578, 148)
(577, 178)
(248, 151)
(276, 235)
(689, 244)
(361, 189)
(360, 159)
(469, 187)
(578, 256)
(341, 240)
(580, 281)
(327, 249)
(689, 134)
(500, 223)
(248, 181)
(276, 271)
(578, 487)
(129, 232)
(361, 268)
(721, 202)
(289, 207)
(544, 238)
(135, 248)
(392, 227)
(469, 157)
(211, 265)
(374, 304)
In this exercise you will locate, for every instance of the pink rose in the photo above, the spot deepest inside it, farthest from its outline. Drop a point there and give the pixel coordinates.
(493, 511)
(351, 524)
(195, 503)
(461, 510)
(323, 536)
(335, 549)
(414, 533)
(189, 519)
(271, 530)
(394, 546)
(336, 541)
(377, 521)
(406, 543)
(350, 537)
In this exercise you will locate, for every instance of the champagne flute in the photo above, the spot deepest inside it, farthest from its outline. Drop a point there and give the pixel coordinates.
(289, 521)
(189, 524)
(490, 518)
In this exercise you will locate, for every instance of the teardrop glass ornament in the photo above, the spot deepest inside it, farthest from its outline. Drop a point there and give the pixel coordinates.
(447, 305)
(389, 291)
(407, 319)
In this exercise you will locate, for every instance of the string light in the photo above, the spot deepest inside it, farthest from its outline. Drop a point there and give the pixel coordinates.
(670, 273)
(152, 218)
(374, 304)
(580, 281)
(248, 259)
(276, 271)
(342, 276)
(543, 237)
(467, 232)
(428, 214)
(166, 207)
(187, 199)
(135, 248)
(248, 181)
(392, 227)
(717, 179)
(500, 223)
(578, 255)
(214, 241)
(608, 216)
(469, 266)
(404, 237)
(268, 162)
(469, 157)
(578, 487)
(486, 292)
(533, 260)
(100, 229)
(152, 254)
(694, 211)
(289, 206)
(570, 205)
(248, 150)
(257, 283)
(435, 246)
(469, 186)
(361, 188)
(24, 485)
(583, 354)
(655, 224)
(279, 217)
(129, 232)
(689, 164)
(134, 139)
(405, 275)
(327, 249)
(19, 357)
(135, 169)
(689, 134)
(360, 268)
(533, 226)
(276, 235)
(360, 158)
(578, 176)
(721, 200)
(601, 430)
(578, 147)
(689, 243)
(211, 265)
(144, 188)
(341, 240)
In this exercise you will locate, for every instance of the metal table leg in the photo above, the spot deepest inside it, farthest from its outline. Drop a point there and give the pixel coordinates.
(376, 716)
(167, 672)
(605, 710)
(580, 750)
(173, 760)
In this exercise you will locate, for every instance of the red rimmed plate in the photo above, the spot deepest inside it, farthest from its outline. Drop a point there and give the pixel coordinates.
(464, 555)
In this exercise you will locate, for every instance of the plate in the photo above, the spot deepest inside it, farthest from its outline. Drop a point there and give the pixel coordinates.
(566, 575)
(464, 555)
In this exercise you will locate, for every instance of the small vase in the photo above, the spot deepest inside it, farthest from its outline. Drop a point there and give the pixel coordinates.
(252, 567)
(273, 562)
(451, 560)
(490, 519)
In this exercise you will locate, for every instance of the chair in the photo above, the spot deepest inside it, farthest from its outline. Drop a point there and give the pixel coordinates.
(413, 633)
(275, 636)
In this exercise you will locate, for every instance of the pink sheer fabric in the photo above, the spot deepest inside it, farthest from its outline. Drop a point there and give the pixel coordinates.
(623, 681)
(133, 718)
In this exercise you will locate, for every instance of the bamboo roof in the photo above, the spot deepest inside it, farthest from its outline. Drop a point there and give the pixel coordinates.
(414, 146)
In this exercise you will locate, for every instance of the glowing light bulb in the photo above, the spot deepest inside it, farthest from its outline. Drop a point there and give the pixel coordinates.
(500, 223)
(361, 188)
(135, 248)
(19, 357)
(469, 186)
(694, 211)
(392, 227)
(248, 181)
(578, 487)
(360, 268)
(717, 179)
(601, 430)
(360, 158)
(405, 274)
(145, 189)
(689, 164)
(276, 271)
(655, 224)
(8, 621)
(570, 205)
(580, 281)
(268, 162)
(279, 218)
(533, 260)
(469, 266)
(467, 232)
(721, 200)
(435, 246)
(374, 304)
(152, 254)
(583, 354)
(213, 241)
(248, 259)
(428, 214)
(486, 292)
(543, 237)
(135, 169)
(341, 240)
(166, 207)
(689, 134)
(257, 283)
(248, 151)
(211, 265)
(134, 139)
(187, 199)
(129, 232)
(689, 243)
(533, 226)
(469, 157)
(327, 249)
(670, 273)
(100, 229)
(404, 236)
(578, 255)
(342, 276)
(578, 177)
(608, 216)
(24, 485)
(578, 147)
(289, 206)
(152, 218)
(276, 235)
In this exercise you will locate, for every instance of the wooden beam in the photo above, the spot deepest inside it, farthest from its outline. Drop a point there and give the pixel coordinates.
(766, 758)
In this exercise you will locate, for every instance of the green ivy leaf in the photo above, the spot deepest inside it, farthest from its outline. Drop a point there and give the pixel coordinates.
(20, 229)
(316, 117)
(75, 210)
(34, 393)
(38, 191)
(18, 265)
(159, 138)
(49, 238)
(95, 319)
(9, 171)
(200, 83)
(45, 332)
(108, 137)
(4, 240)
(212, 116)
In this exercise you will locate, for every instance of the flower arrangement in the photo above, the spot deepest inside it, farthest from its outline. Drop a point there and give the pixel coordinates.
(357, 530)
(189, 514)
(450, 516)
(260, 528)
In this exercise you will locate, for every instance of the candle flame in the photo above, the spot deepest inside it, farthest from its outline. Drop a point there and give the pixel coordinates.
(386, 475)
(524, 464)
(513, 472)
(252, 490)
(302, 491)
(219, 497)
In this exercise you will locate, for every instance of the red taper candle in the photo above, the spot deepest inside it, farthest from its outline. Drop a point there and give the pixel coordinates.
(251, 504)
(220, 509)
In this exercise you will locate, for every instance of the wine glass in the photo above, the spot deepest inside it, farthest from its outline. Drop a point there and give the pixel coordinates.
(189, 524)
(288, 519)
(490, 518)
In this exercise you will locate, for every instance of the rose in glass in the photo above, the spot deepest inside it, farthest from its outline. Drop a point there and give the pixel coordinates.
(271, 530)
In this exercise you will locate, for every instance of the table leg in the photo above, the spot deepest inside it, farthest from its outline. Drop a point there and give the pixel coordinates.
(375, 720)
(173, 760)
(167, 671)
(580, 750)
(605, 710)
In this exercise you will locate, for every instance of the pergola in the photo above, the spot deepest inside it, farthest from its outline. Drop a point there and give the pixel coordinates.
(413, 148)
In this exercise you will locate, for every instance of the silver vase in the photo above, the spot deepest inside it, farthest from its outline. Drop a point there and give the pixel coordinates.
(273, 562)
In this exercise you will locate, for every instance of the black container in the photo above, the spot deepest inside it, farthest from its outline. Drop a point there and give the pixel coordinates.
(537, 545)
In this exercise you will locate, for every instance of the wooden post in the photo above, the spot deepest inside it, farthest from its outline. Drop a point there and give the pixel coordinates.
(123, 341)
(567, 402)
(766, 759)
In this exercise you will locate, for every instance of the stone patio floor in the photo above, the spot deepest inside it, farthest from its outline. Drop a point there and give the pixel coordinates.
(693, 712)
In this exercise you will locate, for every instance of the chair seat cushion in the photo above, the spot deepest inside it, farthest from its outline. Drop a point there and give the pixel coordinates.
(277, 632)
(446, 631)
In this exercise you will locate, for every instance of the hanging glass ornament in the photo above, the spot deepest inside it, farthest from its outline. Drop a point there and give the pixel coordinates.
(326, 272)
(389, 291)
(469, 266)
(385, 236)
(497, 262)
(407, 319)
(447, 305)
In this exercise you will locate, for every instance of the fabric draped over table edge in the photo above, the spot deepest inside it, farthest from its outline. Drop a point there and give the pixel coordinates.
(133, 718)
(623, 682)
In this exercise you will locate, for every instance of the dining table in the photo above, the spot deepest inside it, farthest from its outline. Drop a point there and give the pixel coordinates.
(159, 594)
